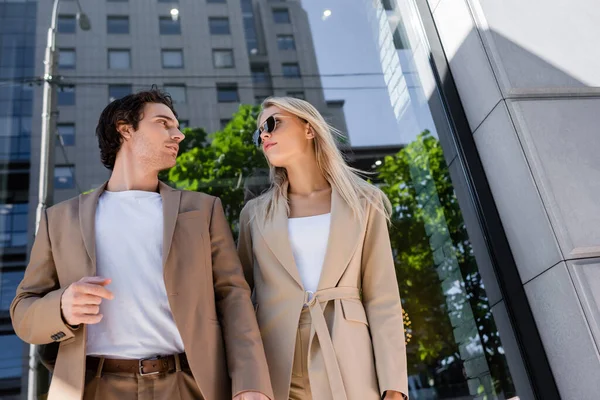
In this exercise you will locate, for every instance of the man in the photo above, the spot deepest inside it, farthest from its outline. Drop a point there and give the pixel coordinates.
(140, 283)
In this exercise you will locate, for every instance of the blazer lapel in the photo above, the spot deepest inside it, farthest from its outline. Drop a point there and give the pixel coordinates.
(87, 222)
(170, 200)
(344, 234)
(275, 234)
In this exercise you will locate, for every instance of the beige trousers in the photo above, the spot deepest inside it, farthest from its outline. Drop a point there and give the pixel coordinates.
(177, 385)
(300, 387)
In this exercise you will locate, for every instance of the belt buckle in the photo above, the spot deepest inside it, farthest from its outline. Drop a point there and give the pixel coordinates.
(141, 367)
(309, 296)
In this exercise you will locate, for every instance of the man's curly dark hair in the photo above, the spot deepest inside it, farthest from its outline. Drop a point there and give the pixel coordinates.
(128, 110)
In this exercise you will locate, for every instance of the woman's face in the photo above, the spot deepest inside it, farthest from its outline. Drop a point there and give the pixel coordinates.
(290, 141)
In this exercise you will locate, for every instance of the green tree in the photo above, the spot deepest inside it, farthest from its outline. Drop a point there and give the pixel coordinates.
(221, 164)
(430, 242)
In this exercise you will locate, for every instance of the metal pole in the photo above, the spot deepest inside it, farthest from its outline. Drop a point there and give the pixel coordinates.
(46, 172)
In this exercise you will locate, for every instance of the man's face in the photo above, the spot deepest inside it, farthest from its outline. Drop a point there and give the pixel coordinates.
(156, 141)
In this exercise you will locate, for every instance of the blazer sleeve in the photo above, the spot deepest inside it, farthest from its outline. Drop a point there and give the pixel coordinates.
(381, 299)
(35, 311)
(246, 358)
(245, 246)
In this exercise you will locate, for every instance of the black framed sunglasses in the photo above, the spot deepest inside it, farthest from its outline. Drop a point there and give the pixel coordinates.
(267, 126)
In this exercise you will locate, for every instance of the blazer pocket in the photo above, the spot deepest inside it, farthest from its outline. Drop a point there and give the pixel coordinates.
(189, 214)
(354, 311)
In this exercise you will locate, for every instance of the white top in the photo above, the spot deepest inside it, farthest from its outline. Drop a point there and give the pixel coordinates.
(138, 322)
(308, 237)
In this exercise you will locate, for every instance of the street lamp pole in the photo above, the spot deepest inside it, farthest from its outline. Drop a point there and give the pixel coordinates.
(46, 177)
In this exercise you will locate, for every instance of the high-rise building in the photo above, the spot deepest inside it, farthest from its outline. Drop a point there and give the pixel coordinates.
(209, 55)
(17, 63)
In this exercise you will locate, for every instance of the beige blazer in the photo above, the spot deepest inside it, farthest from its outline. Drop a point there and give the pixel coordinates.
(357, 348)
(207, 292)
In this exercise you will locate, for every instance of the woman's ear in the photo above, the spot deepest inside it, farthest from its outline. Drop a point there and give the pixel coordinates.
(310, 133)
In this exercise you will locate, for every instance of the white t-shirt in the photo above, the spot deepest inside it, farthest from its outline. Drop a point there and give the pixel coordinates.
(308, 238)
(138, 322)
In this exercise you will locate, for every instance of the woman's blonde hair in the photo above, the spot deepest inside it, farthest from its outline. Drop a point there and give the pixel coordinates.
(345, 179)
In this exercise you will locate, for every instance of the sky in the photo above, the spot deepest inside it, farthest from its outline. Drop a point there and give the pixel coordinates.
(345, 43)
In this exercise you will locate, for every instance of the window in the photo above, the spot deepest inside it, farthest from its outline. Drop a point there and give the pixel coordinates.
(64, 177)
(219, 26)
(119, 59)
(281, 16)
(168, 26)
(118, 25)
(66, 58)
(66, 134)
(172, 58)
(388, 5)
(260, 74)
(117, 1)
(258, 100)
(13, 225)
(177, 92)
(216, 1)
(223, 123)
(11, 363)
(291, 70)
(66, 24)
(66, 95)
(400, 38)
(249, 27)
(9, 281)
(286, 42)
(227, 94)
(223, 58)
(183, 123)
(118, 91)
(168, 1)
(298, 95)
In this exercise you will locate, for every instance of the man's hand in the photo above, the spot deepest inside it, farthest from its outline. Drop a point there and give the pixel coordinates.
(393, 395)
(80, 303)
(251, 396)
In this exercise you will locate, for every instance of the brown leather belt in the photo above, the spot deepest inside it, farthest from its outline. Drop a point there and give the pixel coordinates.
(146, 366)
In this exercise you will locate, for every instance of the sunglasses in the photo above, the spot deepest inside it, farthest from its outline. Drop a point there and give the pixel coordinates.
(268, 126)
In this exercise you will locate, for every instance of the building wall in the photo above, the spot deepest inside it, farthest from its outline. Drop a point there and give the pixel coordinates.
(17, 44)
(92, 75)
(528, 79)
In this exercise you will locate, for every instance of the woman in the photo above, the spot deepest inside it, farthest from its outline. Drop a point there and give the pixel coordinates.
(316, 251)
